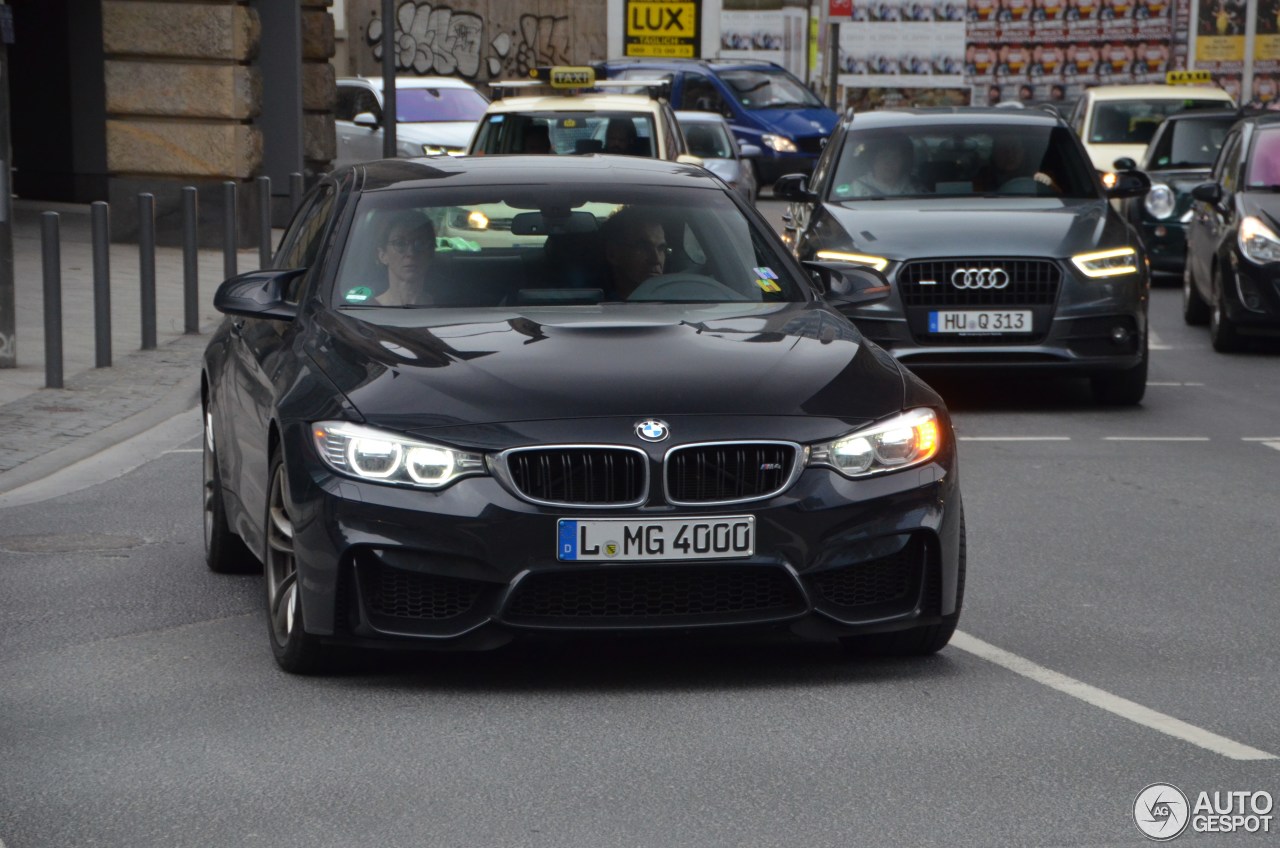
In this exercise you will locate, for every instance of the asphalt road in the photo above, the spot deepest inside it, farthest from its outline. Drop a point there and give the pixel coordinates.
(1122, 576)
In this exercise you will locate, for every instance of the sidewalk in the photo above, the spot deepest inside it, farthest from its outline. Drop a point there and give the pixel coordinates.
(41, 429)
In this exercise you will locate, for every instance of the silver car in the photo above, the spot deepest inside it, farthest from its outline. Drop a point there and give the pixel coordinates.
(710, 139)
(435, 115)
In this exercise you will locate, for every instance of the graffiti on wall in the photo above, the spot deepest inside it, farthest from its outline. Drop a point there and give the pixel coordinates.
(437, 39)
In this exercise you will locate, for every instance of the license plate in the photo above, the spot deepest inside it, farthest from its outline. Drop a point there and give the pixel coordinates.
(597, 539)
(981, 321)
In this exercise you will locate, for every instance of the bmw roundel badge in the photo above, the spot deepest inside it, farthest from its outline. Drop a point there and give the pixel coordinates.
(652, 430)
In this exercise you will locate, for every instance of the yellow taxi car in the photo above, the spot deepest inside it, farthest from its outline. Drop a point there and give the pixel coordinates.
(577, 117)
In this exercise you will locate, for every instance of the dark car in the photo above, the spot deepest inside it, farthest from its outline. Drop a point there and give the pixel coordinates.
(503, 445)
(997, 235)
(1177, 160)
(765, 105)
(1232, 277)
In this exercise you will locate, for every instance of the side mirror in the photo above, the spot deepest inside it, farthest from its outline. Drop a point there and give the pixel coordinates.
(366, 119)
(749, 151)
(1129, 184)
(794, 187)
(1209, 193)
(847, 284)
(1125, 164)
(258, 294)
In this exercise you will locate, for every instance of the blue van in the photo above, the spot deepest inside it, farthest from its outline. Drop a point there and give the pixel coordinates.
(764, 103)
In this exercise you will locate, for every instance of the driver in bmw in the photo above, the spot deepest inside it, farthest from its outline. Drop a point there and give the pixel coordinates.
(635, 248)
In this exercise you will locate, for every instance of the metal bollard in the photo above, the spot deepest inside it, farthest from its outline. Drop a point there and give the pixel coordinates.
(264, 221)
(190, 261)
(100, 221)
(229, 238)
(147, 267)
(296, 188)
(52, 300)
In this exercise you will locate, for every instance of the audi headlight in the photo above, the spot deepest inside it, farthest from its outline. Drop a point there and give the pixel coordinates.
(1258, 242)
(1107, 263)
(780, 143)
(369, 454)
(1160, 201)
(902, 441)
(877, 262)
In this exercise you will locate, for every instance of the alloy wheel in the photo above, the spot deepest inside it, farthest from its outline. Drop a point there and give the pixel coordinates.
(282, 568)
(210, 483)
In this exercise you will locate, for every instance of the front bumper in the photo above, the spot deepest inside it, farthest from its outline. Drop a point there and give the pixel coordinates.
(474, 566)
(1165, 243)
(1259, 284)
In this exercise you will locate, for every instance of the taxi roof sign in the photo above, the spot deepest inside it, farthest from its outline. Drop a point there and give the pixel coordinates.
(1188, 78)
(566, 76)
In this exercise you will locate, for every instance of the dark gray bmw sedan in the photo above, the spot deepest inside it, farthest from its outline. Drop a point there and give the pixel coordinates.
(998, 238)
(483, 398)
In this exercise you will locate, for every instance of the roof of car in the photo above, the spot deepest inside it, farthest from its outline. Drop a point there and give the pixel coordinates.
(591, 102)
(719, 64)
(1157, 92)
(976, 115)
(533, 169)
(412, 82)
(690, 115)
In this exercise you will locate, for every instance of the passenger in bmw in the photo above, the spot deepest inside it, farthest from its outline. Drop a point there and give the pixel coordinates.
(406, 248)
(635, 249)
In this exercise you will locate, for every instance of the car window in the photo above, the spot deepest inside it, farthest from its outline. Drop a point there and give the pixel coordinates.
(344, 108)
(769, 89)
(568, 132)
(700, 94)
(1135, 121)
(306, 232)
(416, 105)
(1188, 143)
(1263, 170)
(961, 160)
(708, 140)
(565, 245)
(1228, 167)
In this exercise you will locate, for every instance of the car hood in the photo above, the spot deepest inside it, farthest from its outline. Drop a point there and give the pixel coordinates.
(446, 133)
(795, 123)
(1181, 179)
(1104, 156)
(1023, 226)
(1264, 204)
(425, 368)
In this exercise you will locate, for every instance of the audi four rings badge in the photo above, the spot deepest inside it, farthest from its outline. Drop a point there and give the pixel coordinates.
(979, 278)
(652, 430)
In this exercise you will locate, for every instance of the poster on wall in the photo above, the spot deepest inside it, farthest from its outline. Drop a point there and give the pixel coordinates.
(903, 53)
(1265, 86)
(665, 29)
(777, 35)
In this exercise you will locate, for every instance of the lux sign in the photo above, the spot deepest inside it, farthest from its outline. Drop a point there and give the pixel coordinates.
(662, 18)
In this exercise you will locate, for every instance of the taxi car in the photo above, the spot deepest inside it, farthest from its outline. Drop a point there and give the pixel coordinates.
(1117, 121)
(1232, 278)
(999, 242)
(579, 117)
(514, 445)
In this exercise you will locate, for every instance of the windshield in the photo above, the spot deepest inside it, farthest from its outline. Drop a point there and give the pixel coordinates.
(1135, 121)
(563, 133)
(961, 160)
(558, 245)
(433, 105)
(707, 139)
(1264, 161)
(769, 89)
(1189, 143)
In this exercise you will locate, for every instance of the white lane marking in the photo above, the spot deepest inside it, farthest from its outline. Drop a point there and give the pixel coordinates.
(1102, 699)
(1015, 438)
(1155, 438)
(111, 463)
(1152, 383)
(1154, 343)
(1260, 438)
(186, 450)
(1275, 444)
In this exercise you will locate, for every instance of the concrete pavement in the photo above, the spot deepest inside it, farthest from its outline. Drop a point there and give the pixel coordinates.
(44, 430)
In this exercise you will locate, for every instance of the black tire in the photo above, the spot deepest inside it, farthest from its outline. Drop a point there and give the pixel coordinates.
(224, 551)
(1123, 388)
(296, 651)
(918, 641)
(1195, 311)
(1222, 330)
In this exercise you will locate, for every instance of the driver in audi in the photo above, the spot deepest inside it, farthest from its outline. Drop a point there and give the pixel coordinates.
(635, 248)
(1010, 163)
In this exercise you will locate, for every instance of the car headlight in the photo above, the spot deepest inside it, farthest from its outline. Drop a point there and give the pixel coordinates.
(780, 143)
(438, 150)
(904, 440)
(1160, 201)
(369, 454)
(1258, 242)
(877, 262)
(1107, 263)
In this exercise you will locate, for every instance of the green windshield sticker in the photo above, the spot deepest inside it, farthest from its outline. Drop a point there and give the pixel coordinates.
(359, 294)
(843, 188)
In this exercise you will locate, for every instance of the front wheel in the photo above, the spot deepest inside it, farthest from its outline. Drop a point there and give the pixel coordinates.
(1222, 330)
(918, 641)
(1123, 388)
(224, 552)
(296, 651)
(1195, 311)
